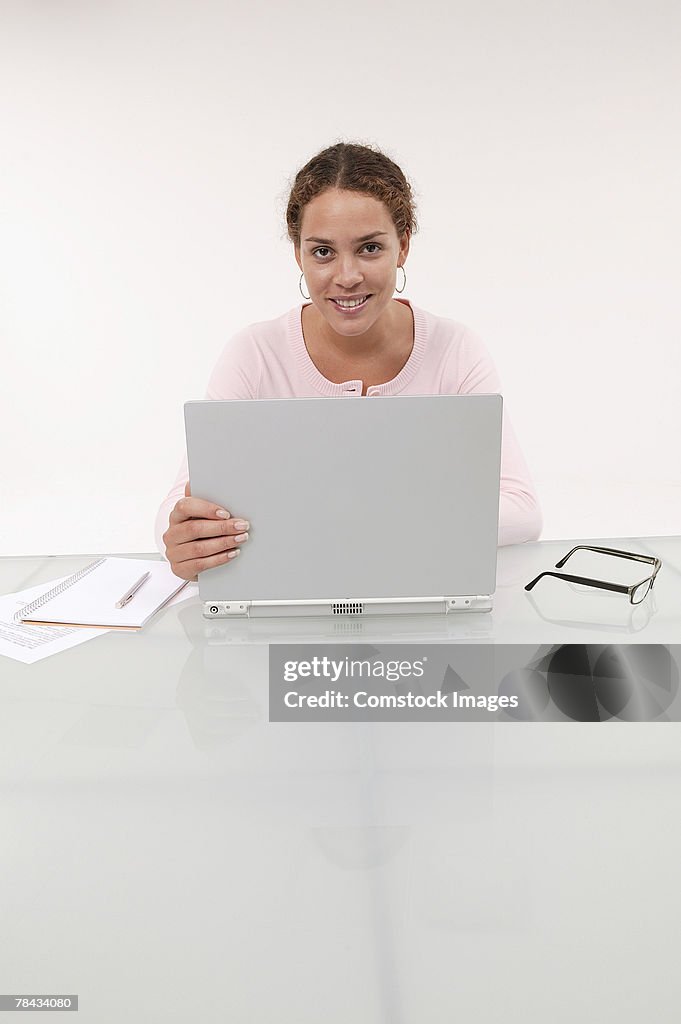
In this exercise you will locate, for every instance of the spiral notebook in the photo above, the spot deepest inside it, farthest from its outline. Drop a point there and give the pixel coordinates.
(89, 596)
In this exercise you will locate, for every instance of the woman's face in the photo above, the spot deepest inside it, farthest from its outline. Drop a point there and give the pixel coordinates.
(349, 250)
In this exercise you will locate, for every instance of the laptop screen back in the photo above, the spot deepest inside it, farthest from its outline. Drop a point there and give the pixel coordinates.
(382, 497)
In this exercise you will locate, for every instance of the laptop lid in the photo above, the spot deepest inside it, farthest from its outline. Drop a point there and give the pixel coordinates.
(360, 498)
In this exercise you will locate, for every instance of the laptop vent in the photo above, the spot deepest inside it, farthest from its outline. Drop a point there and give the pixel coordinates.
(347, 608)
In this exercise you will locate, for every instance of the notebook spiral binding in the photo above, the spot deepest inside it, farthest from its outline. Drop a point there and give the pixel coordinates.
(59, 589)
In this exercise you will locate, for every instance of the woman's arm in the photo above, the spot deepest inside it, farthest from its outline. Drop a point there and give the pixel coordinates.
(470, 371)
(236, 375)
(520, 517)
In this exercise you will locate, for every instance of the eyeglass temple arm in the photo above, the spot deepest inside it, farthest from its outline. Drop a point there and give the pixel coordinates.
(611, 551)
(618, 588)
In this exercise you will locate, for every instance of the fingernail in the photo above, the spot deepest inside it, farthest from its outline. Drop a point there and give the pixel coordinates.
(222, 514)
(233, 554)
(242, 537)
(241, 524)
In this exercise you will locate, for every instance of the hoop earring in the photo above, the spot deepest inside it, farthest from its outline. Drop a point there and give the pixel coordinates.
(300, 286)
(404, 283)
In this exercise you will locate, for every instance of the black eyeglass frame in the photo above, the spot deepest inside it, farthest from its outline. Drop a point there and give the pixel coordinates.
(618, 588)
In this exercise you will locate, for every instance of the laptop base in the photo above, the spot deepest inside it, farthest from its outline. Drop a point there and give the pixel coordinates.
(344, 607)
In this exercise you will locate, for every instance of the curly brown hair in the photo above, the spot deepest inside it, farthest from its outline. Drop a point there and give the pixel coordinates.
(356, 168)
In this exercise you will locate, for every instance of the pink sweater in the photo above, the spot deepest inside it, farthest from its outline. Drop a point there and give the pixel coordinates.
(270, 360)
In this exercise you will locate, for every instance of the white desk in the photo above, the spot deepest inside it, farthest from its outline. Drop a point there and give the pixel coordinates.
(170, 855)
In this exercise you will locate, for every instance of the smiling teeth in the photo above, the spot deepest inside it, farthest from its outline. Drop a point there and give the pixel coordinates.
(349, 304)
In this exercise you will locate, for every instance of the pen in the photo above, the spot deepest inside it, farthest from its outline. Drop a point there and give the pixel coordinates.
(129, 594)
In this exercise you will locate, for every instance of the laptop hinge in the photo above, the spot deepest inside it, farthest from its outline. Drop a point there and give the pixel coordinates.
(469, 603)
(345, 607)
(226, 609)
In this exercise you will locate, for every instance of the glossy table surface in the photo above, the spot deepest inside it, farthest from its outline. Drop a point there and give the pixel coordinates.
(169, 854)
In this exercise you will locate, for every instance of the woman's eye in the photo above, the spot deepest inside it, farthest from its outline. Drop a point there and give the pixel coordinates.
(323, 250)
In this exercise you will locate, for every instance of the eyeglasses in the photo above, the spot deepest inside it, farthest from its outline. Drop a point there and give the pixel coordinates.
(636, 592)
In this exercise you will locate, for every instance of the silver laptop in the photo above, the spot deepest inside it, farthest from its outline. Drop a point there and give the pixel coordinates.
(357, 506)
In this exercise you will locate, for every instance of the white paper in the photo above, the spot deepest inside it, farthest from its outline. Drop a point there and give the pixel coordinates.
(91, 601)
(32, 643)
(191, 590)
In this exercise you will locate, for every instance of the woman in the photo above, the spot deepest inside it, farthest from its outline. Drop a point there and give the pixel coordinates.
(350, 218)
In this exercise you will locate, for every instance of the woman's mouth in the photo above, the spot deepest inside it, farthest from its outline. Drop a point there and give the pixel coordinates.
(350, 307)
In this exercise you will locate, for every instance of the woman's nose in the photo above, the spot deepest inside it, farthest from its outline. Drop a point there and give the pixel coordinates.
(348, 272)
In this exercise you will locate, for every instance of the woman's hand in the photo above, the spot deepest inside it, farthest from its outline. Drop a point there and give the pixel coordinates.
(200, 535)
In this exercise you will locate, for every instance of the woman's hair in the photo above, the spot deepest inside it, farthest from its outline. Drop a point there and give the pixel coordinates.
(355, 168)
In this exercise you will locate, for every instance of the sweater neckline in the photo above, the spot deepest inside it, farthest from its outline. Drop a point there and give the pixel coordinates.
(353, 387)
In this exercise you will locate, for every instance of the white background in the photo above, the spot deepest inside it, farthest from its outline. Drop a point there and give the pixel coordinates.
(145, 154)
